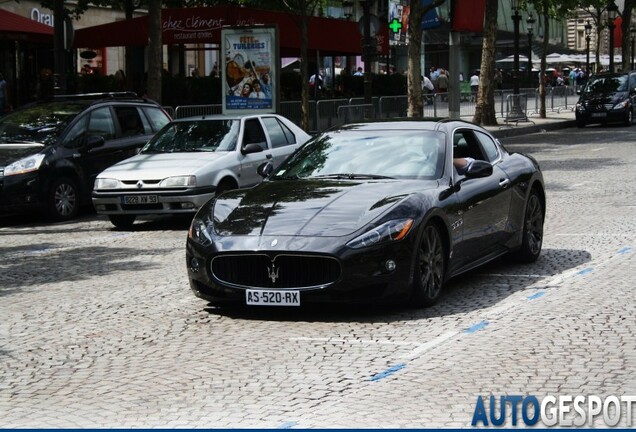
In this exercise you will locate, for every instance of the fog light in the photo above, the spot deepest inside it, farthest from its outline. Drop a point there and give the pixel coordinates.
(100, 207)
(187, 205)
(194, 265)
(390, 265)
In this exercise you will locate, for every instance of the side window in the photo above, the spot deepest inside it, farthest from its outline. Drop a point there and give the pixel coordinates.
(254, 134)
(101, 123)
(279, 134)
(129, 121)
(76, 136)
(156, 117)
(465, 144)
(489, 147)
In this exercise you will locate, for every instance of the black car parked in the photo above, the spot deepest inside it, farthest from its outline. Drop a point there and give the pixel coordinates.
(51, 152)
(607, 97)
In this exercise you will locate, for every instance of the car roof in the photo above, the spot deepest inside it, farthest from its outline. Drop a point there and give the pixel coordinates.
(433, 123)
(223, 117)
(95, 98)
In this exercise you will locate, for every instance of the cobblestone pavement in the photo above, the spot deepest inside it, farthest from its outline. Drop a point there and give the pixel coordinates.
(99, 327)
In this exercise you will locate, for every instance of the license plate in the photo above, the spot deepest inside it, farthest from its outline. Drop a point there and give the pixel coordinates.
(599, 114)
(272, 298)
(139, 199)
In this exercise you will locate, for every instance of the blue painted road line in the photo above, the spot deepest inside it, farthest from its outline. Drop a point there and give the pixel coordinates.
(624, 250)
(536, 295)
(476, 327)
(287, 425)
(584, 271)
(390, 371)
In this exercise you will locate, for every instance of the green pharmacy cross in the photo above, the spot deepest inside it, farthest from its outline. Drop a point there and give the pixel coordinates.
(395, 25)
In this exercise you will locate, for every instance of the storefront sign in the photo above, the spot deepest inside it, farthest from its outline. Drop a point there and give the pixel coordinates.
(43, 18)
(250, 75)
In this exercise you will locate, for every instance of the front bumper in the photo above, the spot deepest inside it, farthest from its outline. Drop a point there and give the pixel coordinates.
(165, 202)
(588, 115)
(363, 279)
(20, 193)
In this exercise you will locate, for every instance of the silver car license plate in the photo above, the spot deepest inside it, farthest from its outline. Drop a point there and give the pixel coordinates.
(139, 199)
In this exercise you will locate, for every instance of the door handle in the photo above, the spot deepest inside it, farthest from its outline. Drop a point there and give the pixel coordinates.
(503, 183)
(268, 156)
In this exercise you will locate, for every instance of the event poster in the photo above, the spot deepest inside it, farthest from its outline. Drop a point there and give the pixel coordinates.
(250, 72)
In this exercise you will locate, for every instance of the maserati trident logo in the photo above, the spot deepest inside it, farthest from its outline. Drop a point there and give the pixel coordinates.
(272, 272)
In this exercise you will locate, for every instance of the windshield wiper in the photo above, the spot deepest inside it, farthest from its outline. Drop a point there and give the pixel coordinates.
(286, 177)
(353, 176)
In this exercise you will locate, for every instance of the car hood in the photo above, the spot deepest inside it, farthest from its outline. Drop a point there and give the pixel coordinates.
(603, 98)
(160, 165)
(12, 152)
(319, 208)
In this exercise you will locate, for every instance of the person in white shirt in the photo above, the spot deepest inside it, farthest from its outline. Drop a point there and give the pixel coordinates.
(474, 84)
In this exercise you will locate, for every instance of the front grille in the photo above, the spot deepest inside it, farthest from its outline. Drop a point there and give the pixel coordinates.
(281, 271)
(142, 206)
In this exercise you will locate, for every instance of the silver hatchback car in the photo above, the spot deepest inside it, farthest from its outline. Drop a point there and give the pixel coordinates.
(191, 160)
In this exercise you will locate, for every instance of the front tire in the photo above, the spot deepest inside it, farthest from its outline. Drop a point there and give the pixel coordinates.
(63, 199)
(532, 230)
(122, 221)
(629, 117)
(431, 264)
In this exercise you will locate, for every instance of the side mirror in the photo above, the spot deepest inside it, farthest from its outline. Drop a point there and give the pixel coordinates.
(93, 141)
(251, 148)
(479, 169)
(265, 169)
(578, 91)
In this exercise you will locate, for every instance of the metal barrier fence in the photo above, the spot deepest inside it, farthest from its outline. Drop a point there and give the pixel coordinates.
(326, 113)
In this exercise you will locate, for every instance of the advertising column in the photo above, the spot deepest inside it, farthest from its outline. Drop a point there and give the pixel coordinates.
(250, 73)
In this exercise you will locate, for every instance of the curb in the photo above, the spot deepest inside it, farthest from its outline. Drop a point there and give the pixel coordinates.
(512, 131)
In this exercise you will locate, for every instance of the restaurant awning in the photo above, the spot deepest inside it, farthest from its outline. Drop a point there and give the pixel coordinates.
(16, 27)
(203, 25)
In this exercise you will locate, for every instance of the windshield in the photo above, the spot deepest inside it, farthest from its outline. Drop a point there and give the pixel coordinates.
(606, 84)
(195, 136)
(351, 153)
(39, 123)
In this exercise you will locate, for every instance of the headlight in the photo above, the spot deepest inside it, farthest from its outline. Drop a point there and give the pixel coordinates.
(201, 230)
(107, 183)
(178, 181)
(621, 105)
(393, 230)
(28, 164)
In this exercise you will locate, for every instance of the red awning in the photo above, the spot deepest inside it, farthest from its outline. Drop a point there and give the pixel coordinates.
(17, 27)
(203, 25)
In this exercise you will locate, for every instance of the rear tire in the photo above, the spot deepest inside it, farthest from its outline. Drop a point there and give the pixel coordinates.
(431, 265)
(63, 199)
(122, 221)
(532, 231)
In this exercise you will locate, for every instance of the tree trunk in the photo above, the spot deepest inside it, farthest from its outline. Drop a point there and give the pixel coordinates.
(485, 109)
(414, 74)
(626, 47)
(154, 50)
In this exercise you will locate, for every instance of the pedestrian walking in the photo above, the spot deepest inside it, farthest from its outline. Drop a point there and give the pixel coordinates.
(4, 96)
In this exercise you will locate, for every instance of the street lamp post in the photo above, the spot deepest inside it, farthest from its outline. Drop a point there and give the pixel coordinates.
(632, 33)
(516, 17)
(588, 36)
(530, 25)
(612, 11)
(515, 109)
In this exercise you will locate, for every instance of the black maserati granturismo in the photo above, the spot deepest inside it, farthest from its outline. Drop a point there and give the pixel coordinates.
(369, 212)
